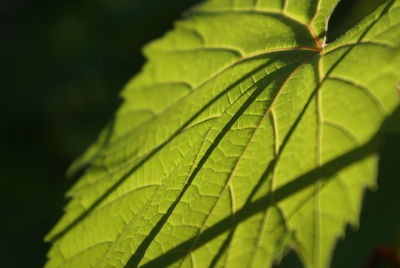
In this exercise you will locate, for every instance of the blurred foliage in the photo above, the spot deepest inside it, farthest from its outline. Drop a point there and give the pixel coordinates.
(65, 62)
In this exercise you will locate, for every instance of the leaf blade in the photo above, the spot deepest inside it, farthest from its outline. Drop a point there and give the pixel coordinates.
(179, 166)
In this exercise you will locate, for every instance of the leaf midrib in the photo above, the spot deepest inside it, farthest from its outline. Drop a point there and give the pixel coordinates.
(251, 57)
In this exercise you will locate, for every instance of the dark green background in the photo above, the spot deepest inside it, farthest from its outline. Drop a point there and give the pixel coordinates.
(64, 64)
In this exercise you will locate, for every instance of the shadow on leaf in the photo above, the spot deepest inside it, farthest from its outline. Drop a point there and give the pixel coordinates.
(322, 173)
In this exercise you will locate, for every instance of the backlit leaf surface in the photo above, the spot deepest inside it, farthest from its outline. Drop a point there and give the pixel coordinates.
(222, 152)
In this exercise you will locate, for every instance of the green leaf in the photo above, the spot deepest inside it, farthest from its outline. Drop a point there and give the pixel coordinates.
(243, 137)
(348, 13)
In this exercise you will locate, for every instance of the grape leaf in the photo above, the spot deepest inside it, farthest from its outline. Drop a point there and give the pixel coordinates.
(243, 137)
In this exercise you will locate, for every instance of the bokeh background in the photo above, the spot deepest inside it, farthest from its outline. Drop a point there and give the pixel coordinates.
(64, 63)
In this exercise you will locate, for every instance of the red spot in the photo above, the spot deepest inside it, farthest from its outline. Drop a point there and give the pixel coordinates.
(384, 254)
